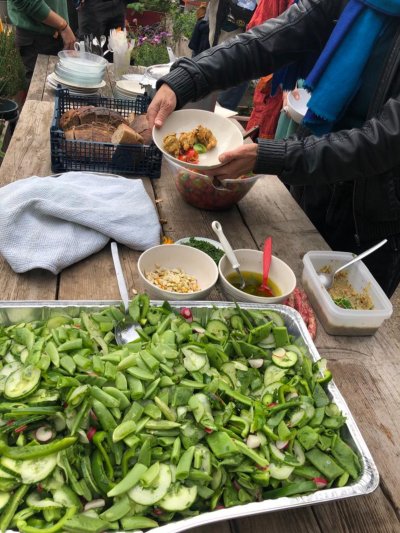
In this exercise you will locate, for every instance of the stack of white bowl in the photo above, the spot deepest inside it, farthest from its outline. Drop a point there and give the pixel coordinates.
(80, 72)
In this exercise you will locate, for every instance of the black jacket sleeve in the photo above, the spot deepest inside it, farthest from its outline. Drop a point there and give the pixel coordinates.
(304, 27)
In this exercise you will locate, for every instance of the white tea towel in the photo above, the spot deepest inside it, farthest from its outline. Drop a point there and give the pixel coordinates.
(53, 222)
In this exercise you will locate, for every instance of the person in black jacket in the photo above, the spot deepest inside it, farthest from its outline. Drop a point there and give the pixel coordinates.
(344, 162)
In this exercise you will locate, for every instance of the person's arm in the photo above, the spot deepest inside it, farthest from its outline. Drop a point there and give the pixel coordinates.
(41, 12)
(302, 28)
(353, 154)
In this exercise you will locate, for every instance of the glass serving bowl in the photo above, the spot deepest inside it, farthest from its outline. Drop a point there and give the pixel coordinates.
(74, 77)
(200, 191)
(78, 60)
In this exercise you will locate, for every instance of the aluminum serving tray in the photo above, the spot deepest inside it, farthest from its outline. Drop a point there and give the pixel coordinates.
(12, 312)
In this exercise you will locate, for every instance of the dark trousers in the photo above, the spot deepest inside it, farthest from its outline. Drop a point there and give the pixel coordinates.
(98, 17)
(30, 44)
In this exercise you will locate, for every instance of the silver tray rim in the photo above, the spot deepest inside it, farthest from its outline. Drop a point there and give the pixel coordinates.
(367, 483)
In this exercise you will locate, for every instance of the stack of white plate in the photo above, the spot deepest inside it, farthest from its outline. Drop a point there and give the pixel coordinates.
(128, 89)
(53, 81)
(81, 72)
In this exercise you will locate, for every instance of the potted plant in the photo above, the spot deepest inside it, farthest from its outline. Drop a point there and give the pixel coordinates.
(150, 45)
(12, 72)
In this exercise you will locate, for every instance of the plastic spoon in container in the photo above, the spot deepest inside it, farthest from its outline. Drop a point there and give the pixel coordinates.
(267, 253)
(327, 279)
(125, 331)
(216, 226)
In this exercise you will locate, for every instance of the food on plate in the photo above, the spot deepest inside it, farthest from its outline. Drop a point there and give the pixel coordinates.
(199, 191)
(344, 295)
(214, 406)
(171, 144)
(299, 301)
(189, 144)
(206, 247)
(126, 135)
(140, 124)
(253, 282)
(174, 279)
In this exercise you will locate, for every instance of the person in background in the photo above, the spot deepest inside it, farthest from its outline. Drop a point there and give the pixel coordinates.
(42, 27)
(267, 104)
(98, 17)
(199, 39)
(343, 164)
(226, 20)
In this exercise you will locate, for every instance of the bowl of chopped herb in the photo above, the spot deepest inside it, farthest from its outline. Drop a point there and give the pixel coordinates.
(209, 246)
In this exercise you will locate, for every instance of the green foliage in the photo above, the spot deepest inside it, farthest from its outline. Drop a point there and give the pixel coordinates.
(12, 72)
(150, 54)
(183, 24)
(163, 6)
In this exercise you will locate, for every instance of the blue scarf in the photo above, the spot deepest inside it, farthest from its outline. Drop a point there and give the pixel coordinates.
(337, 74)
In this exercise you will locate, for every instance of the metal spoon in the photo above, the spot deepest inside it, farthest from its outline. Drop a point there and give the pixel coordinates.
(125, 331)
(216, 226)
(327, 279)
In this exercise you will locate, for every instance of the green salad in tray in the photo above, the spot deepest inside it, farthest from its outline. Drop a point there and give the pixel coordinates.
(211, 408)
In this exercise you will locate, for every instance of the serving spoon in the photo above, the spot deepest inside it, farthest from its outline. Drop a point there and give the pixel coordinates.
(125, 331)
(216, 226)
(327, 279)
(267, 253)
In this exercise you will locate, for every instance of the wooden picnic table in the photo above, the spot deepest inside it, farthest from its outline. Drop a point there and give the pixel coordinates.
(366, 369)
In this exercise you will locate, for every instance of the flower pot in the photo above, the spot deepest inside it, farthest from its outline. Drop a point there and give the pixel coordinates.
(8, 109)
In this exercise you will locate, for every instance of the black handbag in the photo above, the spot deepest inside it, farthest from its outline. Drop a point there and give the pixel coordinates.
(241, 16)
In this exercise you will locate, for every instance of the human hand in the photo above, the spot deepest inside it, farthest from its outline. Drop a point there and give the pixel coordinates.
(236, 163)
(68, 38)
(162, 105)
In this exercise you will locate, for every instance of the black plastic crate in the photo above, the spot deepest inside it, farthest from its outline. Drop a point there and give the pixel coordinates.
(137, 160)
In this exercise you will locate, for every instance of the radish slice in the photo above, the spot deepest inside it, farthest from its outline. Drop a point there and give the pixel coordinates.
(253, 441)
(198, 329)
(44, 434)
(320, 482)
(256, 363)
(94, 504)
(281, 444)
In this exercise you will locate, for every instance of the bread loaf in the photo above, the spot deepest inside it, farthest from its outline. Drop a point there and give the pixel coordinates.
(89, 115)
(72, 117)
(91, 132)
(126, 135)
(141, 125)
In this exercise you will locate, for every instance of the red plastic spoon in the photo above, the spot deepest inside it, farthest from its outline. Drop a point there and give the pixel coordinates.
(266, 264)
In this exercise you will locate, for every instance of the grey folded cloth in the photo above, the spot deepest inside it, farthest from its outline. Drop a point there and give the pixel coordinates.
(53, 222)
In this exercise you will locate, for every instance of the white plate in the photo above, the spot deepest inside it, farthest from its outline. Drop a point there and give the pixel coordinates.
(227, 133)
(184, 240)
(76, 85)
(129, 88)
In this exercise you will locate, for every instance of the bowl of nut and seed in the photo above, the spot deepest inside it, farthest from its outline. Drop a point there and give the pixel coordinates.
(177, 272)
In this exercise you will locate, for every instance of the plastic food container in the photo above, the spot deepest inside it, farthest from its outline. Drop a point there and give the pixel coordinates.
(198, 189)
(335, 320)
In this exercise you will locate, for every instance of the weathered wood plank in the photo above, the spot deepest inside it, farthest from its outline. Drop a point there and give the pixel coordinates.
(38, 80)
(295, 520)
(48, 92)
(370, 513)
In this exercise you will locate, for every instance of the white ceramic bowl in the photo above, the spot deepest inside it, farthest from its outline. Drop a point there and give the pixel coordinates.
(251, 261)
(228, 135)
(298, 108)
(190, 260)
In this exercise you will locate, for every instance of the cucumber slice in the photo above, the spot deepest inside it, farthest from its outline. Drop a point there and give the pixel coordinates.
(275, 453)
(280, 471)
(35, 502)
(22, 382)
(150, 496)
(10, 368)
(195, 358)
(284, 359)
(31, 470)
(217, 329)
(4, 497)
(275, 317)
(179, 499)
